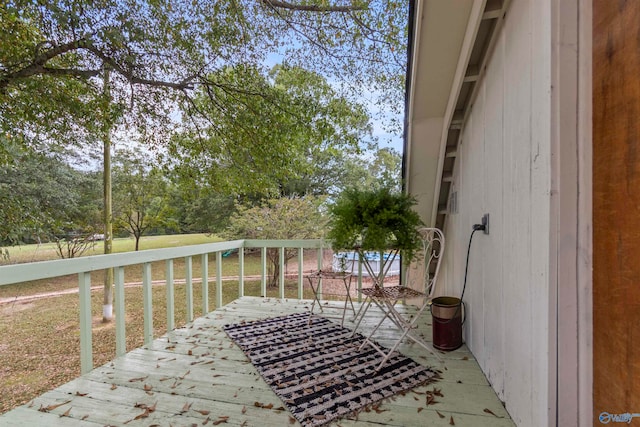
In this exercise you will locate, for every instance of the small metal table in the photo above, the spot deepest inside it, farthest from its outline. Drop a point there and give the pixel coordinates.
(315, 281)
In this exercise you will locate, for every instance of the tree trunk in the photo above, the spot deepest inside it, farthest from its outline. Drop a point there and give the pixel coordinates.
(107, 303)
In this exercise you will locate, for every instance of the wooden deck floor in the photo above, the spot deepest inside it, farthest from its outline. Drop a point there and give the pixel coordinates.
(197, 376)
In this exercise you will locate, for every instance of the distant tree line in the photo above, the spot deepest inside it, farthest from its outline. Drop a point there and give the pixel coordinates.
(47, 198)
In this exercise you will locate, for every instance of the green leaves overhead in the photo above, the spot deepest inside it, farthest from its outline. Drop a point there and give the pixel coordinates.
(160, 51)
(253, 134)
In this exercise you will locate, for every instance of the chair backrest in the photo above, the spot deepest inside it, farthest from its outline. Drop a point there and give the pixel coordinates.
(427, 268)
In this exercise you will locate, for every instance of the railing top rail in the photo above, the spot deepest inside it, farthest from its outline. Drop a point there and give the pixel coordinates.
(17, 273)
(274, 243)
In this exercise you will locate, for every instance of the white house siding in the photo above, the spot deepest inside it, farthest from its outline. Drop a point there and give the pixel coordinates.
(503, 168)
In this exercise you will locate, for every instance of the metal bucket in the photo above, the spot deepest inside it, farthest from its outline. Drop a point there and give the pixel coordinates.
(447, 323)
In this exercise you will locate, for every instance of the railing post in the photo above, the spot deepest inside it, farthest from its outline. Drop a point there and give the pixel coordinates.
(86, 345)
(241, 272)
(147, 302)
(300, 273)
(360, 261)
(263, 271)
(121, 342)
(218, 279)
(205, 283)
(171, 318)
(281, 278)
(320, 256)
(188, 265)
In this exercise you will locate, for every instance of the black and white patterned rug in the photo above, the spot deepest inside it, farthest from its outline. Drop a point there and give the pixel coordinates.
(317, 370)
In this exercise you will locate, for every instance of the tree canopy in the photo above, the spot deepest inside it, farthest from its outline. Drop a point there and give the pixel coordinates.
(163, 52)
(141, 202)
(42, 197)
(254, 148)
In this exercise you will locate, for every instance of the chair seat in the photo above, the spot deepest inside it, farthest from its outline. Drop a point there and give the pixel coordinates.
(393, 292)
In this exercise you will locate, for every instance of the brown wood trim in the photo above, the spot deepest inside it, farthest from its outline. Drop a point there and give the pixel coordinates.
(616, 207)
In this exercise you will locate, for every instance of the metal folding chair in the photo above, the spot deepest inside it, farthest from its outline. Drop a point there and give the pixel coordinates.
(386, 298)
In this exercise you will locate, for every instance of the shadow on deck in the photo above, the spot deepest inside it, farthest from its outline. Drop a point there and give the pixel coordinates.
(196, 375)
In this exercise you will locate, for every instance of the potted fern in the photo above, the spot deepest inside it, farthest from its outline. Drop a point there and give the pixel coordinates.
(380, 221)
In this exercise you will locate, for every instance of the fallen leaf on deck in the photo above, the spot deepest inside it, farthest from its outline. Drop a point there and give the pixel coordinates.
(145, 414)
(244, 410)
(203, 411)
(420, 410)
(431, 400)
(147, 387)
(133, 380)
(439, 414)
(292, 420)
(52, 407)
(489, 411)
(186, 407)
(66, 413)
(451, 422)
(81, 394)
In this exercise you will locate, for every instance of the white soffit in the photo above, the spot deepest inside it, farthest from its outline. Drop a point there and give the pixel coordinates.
(439, 32)
(436, 52)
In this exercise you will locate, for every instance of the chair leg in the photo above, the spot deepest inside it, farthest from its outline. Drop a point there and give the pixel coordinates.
(407, 327)
(386, 315)
(360, 315)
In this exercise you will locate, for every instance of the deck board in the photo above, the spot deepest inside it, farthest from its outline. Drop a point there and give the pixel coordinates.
(196, 375)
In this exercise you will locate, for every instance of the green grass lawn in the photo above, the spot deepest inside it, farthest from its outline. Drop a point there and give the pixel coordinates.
(47, 251)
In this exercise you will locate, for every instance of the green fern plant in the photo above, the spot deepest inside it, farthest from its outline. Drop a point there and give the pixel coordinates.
(375, 220)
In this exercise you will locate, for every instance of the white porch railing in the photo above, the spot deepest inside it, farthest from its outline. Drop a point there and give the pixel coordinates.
(19, 273)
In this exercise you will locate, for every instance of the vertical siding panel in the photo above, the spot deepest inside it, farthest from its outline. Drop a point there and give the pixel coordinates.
(475, 194)
(519, 359)
(463, 218)
(540, 206)
(493, 244)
